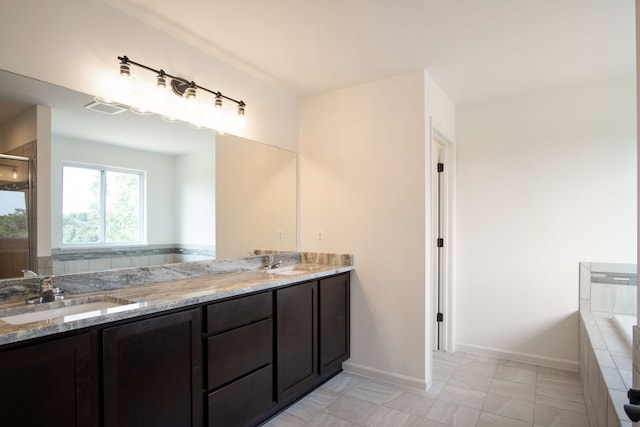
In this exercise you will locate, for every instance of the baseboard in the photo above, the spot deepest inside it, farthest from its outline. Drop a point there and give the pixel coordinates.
(390, 377)
(551, 362)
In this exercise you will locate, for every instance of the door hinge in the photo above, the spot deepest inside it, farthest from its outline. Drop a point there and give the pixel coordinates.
(440, 167)
(440, 243)
(439, 317)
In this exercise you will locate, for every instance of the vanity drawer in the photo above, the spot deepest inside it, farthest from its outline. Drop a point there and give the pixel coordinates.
(243, 403)
(233, 354)
(231, 314)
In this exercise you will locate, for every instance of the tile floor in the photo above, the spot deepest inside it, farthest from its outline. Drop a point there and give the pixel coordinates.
(468, 390)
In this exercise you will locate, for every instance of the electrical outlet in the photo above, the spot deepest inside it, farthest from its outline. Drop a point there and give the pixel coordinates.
(280, 235)
(320, 235)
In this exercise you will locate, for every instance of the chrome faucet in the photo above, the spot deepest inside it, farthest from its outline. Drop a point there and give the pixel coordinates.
(48, 292)
(271, 263)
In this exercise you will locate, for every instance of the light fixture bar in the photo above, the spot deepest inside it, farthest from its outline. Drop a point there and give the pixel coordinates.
(125, 60)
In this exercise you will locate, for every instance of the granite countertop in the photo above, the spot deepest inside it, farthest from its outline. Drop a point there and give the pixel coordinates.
(158, 297)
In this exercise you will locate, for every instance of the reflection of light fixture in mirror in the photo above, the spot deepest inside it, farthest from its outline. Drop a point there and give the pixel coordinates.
(125, 68)
(15, 173)
(190, 105)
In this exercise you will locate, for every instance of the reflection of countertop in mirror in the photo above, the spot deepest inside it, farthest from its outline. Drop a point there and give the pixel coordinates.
(170, 295)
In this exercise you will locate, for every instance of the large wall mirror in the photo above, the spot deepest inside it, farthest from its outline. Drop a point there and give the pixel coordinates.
(200, 195)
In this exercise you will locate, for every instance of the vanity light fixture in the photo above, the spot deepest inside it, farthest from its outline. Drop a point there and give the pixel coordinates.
(148, 96)
(15, 173)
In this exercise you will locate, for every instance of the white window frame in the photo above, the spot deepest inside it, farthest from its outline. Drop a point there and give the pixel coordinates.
(142, 219)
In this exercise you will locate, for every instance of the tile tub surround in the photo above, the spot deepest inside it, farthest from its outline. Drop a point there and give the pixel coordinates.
(164, 288)
(606, 361)
(68, 261)
(636, 357)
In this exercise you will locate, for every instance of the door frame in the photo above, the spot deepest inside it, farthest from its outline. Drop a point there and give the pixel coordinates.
(442, 143)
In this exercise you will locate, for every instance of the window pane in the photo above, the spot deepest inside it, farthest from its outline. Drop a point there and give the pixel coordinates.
(122, 207)
(80, 205)
(13, 214)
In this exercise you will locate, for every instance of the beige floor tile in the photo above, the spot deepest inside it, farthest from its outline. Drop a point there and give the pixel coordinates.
(326, 420)
(387, 417)
(373, 391)
(340, 383)
(566, 405)
(492, 420)
(551, 417)
(432, 423)
(312, 404)
(411, 403)
(435, 389)
(470, 381)
(285, 419)
(514, 390)
(553, 373)
(478, 366)
(469, 398)
(520, 365)
(560, 390)
(508, 407)
(516, 375)
(350, 409)
(453, 415)
(447, 356)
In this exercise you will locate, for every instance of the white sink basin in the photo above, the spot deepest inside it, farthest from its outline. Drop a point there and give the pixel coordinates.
(68, 310)
(288, 270)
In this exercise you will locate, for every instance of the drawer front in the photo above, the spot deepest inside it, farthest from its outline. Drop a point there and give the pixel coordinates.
(243, 403)
(233, 354)
(231, 314)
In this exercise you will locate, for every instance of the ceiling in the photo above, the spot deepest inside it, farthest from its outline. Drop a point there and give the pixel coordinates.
(474, 49)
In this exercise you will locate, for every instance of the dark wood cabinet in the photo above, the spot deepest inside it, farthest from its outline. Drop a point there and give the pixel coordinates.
(334, 323)
(152, 372)
(296, 340)
(49, 384)
(243, 403)
(235, 362)
(239, 356)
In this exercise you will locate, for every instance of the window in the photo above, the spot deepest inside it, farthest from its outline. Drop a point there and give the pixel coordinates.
(101, 205)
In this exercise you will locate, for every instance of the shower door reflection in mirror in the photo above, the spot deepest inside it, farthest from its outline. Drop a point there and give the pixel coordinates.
(14, 215)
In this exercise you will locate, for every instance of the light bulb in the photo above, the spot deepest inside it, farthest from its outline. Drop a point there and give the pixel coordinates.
(161, 80)
(125, 67)
(241, 120)
(15, 173)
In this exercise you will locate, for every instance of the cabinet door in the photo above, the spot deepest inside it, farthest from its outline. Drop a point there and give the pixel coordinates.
(152, 372)
(297, 332)
(334, 302)
(50, 384)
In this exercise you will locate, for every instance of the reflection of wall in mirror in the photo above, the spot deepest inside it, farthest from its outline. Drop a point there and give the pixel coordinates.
(256, 197)
(195, 198)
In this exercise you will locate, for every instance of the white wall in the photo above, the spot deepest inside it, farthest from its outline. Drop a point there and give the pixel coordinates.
(362, 182)
(75, 43)
(544, 181)
(160, 170)
(195, 198)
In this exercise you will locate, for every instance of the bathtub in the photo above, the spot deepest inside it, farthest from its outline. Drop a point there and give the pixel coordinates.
(625, 324)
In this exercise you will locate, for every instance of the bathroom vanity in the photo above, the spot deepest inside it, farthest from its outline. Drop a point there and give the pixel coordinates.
(226, 349)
